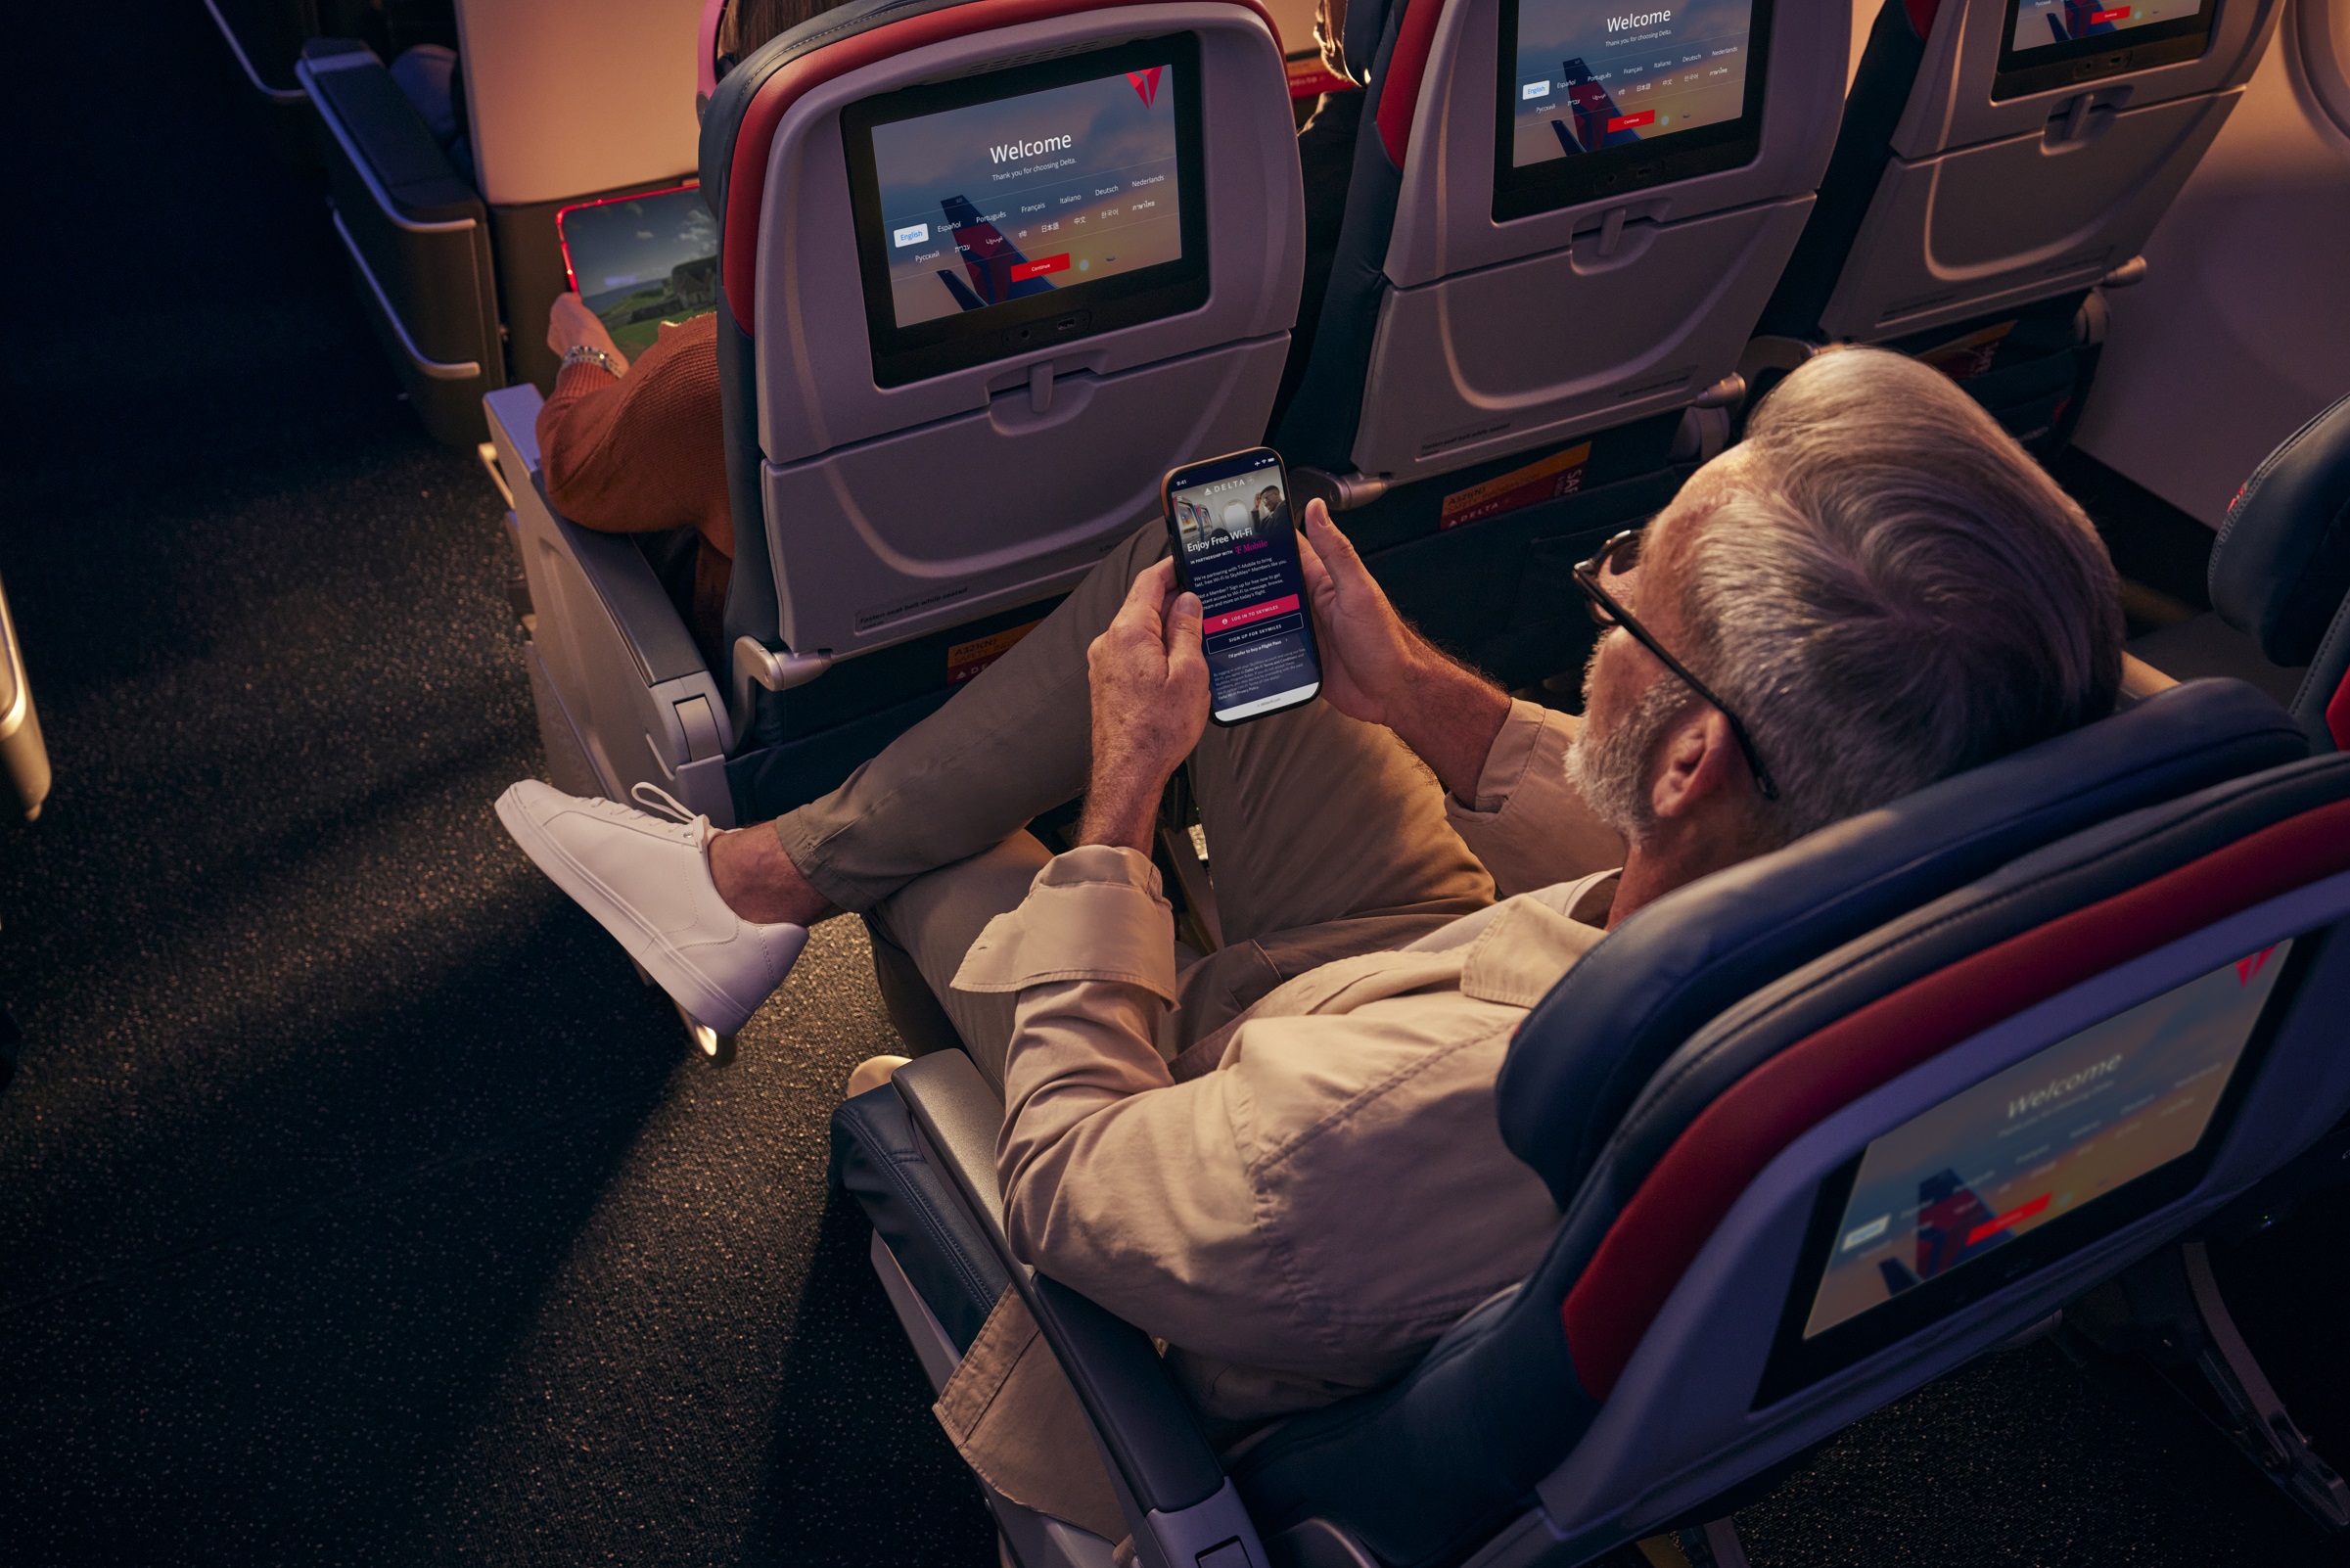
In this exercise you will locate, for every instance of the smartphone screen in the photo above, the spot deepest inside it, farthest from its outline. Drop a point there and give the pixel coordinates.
(1236, 546)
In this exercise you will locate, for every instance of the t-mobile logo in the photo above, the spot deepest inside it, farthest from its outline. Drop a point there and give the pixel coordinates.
(1146, 85)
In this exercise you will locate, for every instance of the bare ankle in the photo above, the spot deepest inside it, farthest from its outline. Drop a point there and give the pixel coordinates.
(758, 881)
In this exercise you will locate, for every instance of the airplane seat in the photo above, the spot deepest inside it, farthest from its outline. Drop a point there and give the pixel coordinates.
(921, 460)
(2280, 568)
(2279, 584)
(448, 165)
(1516, 328)
(2001, 163)
(1786, 1084)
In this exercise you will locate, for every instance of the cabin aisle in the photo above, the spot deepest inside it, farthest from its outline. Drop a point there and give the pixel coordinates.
(359, 1205)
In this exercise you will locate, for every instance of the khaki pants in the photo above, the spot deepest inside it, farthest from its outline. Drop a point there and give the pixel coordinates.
(1327, 837)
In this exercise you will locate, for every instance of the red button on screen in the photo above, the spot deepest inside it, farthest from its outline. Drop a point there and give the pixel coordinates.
(1254, 611)
(1646, 116)
(2119, 15)
(1023, 270)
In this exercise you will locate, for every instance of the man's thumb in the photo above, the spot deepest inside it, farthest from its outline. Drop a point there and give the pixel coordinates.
(1183, 623)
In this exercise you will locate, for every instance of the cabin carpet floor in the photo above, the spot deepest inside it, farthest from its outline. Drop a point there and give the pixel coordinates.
(360, 1205)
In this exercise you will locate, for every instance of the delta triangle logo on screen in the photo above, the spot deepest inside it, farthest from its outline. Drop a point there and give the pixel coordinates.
(1146, 85)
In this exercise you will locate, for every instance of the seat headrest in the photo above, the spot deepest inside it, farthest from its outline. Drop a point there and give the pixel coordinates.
(2282, 564)
(1584, 1054)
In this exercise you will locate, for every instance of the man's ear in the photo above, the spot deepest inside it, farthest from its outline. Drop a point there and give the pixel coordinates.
(1698, 763)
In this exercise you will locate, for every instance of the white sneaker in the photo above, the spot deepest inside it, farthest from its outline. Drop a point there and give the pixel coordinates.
(647, 881)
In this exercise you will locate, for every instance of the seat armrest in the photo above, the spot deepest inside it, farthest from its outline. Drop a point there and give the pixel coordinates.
(959, 1114)
(639, 608)
(1168, 1477)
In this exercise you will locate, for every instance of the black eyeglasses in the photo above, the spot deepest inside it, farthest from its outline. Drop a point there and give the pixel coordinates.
(1617, 557)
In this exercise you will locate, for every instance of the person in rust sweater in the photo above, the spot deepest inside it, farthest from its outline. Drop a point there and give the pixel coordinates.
(639, 449)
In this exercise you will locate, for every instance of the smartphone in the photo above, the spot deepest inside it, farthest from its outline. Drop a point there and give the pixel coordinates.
(1235, 542)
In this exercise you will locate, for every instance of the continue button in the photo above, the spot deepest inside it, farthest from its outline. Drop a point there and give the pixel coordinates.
(1646, 116)
(1022, 272)
(2118, 14)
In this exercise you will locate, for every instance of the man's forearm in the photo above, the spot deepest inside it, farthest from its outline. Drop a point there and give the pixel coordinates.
(1122, 805)
(1449, 715)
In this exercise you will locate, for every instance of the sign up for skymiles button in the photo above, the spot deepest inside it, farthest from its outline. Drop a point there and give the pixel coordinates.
(1023, 270)
(1254, 611)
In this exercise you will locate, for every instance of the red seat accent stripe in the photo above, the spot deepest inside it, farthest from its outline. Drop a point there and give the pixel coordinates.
(746, 176)
(1400, 94)
(1921, 16)
(2337, 714)
(1677, 1208)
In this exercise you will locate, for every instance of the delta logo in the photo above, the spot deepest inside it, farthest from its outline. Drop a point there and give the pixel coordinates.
(1146, 85)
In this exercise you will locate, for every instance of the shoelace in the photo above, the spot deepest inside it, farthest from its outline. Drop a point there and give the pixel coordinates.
(661, 803)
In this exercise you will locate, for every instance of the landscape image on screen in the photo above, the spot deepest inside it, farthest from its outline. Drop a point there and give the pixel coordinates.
(1591, 77)
(2041, 23)
(2088, 1114)
(643, 261)
(1002, 201)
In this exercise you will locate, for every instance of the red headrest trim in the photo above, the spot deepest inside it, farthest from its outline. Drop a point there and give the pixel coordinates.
(746, 176)
(1400, 94)
(1921, 16)
(2337, 714)
(1668, 1218)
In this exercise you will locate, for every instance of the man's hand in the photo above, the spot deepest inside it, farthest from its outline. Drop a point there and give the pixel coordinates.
(1150, 703)
(570, 324)
(1367, 652)
(1378, 670)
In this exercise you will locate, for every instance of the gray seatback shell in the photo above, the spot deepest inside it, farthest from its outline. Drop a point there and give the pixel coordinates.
(1500, 336)
(1987, 205)
(894, 511)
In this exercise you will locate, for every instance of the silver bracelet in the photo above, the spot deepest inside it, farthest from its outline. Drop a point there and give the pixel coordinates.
(586, 351)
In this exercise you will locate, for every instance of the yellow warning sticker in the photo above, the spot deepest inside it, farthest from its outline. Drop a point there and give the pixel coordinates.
(1560, 474)
(965, 659)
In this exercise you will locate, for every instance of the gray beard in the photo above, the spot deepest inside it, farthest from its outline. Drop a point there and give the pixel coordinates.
(1609, 768)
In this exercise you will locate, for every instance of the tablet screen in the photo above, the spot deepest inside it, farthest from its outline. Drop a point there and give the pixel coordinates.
(639, 260)
(1606, 97)
(1041, 198)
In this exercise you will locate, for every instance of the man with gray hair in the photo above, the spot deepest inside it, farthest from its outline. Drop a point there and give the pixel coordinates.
(1282, 1157)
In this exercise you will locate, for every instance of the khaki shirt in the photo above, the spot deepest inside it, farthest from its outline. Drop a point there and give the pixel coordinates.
(1302, 1222)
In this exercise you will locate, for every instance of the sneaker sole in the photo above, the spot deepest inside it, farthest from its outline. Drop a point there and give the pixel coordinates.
(697, 993)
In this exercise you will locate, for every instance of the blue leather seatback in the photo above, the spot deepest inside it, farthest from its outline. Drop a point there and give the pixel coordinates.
(2280, 567)
(1422, 1470)
(1585, 1053)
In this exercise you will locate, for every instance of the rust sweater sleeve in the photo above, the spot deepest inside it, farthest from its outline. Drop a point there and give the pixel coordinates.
(644, 451)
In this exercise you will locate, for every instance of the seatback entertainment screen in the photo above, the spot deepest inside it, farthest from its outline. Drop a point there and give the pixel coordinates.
(1601, 97)
(2057, 43)
(1002, 212)
(2027, 1165)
